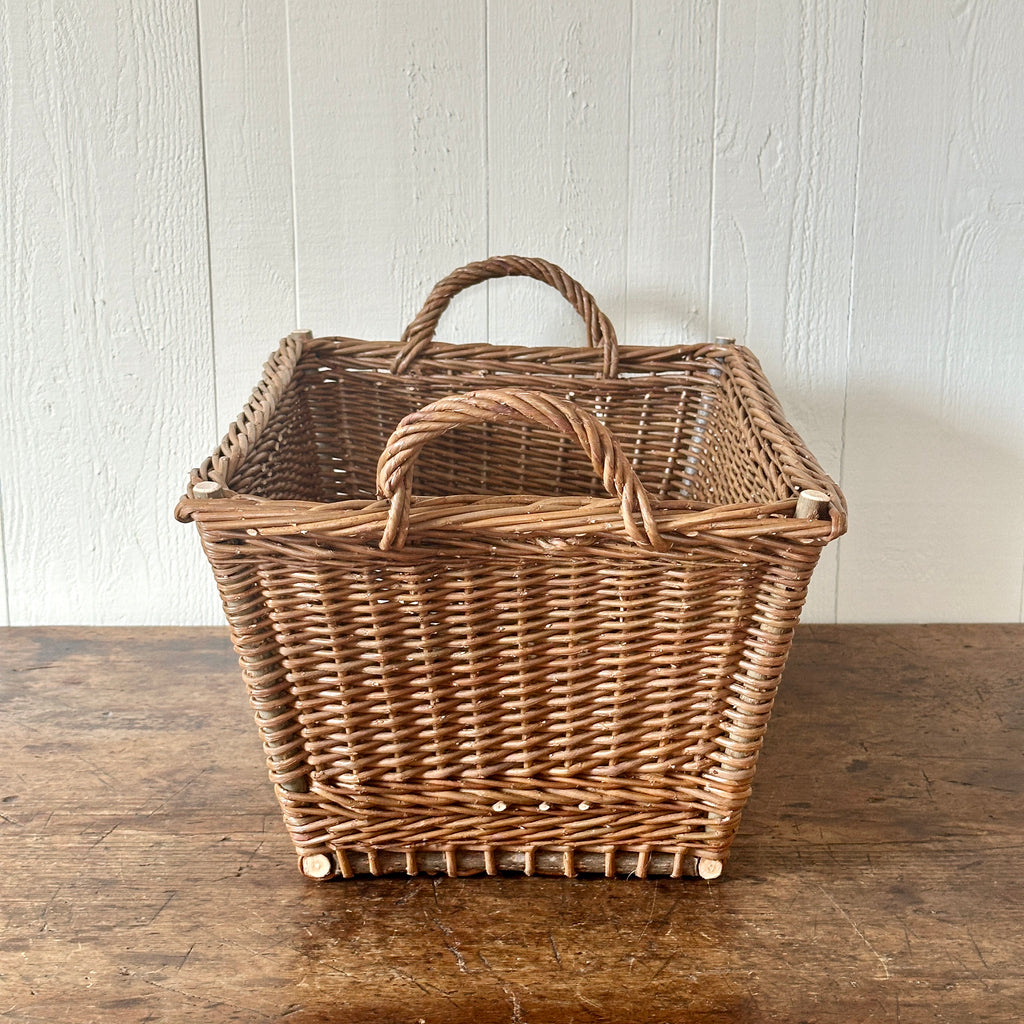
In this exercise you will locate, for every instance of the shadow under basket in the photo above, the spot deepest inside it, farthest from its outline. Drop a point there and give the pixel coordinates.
(560, 655)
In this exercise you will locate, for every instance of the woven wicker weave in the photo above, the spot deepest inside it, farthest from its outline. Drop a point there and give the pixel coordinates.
(561, 655)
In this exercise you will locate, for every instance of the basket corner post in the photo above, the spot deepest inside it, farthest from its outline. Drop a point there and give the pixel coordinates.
(709, 868)
(317, 866)
(812, 504)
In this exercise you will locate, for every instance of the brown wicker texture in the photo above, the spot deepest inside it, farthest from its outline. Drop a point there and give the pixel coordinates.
(561, 654)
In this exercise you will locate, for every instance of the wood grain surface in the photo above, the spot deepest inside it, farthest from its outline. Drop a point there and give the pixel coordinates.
(147, 876)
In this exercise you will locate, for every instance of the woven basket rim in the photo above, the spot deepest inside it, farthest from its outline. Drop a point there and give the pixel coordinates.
(361, 521)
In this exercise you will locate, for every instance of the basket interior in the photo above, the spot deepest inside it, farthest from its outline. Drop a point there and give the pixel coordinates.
(687, 436)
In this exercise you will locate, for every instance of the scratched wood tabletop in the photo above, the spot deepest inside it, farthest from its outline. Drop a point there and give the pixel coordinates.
(146, 875)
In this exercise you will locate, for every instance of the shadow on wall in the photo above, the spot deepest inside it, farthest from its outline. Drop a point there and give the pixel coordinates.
(936, 522)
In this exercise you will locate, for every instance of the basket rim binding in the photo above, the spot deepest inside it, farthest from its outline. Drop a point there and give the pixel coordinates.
(221, 507)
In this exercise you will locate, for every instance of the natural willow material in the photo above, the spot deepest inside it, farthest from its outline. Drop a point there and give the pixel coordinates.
(510, 608)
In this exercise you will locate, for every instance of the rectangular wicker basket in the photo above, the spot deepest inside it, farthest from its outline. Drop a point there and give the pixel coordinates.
(560, 656)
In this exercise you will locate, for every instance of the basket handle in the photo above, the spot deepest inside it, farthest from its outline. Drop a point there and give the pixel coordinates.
(420, 332)
(394, 468)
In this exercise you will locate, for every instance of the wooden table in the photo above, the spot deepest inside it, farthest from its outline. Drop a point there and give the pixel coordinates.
(146, 875)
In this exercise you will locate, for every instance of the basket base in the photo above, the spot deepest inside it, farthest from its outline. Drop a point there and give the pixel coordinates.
(327, 864)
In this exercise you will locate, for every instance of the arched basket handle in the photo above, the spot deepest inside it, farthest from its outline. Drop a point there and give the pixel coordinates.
(394, 468)
(417, 337)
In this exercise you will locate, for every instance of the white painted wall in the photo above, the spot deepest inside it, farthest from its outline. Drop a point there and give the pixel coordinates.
(839, 185)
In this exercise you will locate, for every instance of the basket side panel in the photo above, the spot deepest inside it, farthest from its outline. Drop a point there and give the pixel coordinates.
(746, 703)
(247, 609)
(283, 462)
(589, 703)
(732, 468)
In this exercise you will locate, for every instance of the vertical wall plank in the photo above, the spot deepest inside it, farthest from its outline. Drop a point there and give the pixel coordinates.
(244, 52)
(388, 106)
(558, 98)
(8, 271)
(671, 125)
(789, 84)
(105, 368)
(934, 460)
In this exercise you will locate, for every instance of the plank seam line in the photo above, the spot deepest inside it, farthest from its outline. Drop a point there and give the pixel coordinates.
(3, 560)
(1020, 616)
(850, 304)
(627, 254)
(712, 198)
(206, 212)
(487, 164)
(291, 152)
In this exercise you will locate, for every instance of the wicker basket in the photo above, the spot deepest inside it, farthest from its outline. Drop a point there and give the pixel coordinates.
(561, 656)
